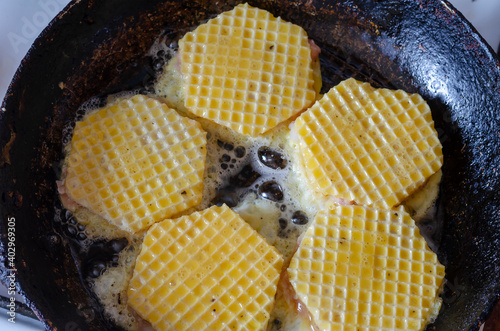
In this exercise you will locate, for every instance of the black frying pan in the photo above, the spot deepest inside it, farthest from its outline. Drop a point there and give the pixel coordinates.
(97, 47)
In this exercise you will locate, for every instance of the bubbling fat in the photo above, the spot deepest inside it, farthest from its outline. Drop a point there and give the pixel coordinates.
(260, 178)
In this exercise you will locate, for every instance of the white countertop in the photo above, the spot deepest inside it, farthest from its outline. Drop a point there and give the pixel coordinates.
(22, 20)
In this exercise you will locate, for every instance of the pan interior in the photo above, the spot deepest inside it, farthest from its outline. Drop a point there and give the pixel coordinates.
(96, 48)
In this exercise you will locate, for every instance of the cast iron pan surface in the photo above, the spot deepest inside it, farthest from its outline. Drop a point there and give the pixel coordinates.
(97, 47)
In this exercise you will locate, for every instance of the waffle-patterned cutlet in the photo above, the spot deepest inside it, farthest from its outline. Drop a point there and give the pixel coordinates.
(247, 70)
(373, 146)
(206, 271)
(359, 268)
(136, 162)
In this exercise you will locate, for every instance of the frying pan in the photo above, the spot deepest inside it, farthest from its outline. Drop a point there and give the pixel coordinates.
(97, 47)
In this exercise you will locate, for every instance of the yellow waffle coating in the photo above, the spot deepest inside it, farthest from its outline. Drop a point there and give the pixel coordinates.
(206, 271)
(247, 70)
(136, 162)
(373, 146)
(359, 268)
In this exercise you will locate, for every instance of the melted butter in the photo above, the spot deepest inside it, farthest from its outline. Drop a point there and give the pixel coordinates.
(421, 203)
(168, 86)
(111, 289)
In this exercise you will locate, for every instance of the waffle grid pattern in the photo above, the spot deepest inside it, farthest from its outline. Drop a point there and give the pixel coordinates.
(366, 269)
(247, 70)
(206, 271)
(373, 146)
(136, 162)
